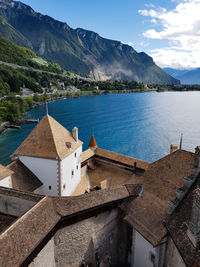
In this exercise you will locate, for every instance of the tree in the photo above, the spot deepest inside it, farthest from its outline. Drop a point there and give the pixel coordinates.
(14, 84)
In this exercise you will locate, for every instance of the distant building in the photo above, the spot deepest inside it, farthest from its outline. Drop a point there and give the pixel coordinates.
(72, 88)
(65, 207)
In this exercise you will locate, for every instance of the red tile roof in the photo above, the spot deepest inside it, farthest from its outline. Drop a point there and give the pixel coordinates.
(92, 143)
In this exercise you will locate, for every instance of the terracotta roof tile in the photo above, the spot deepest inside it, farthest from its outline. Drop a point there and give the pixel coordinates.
(163, 177)
(20, 194)
(116, 176)
(92, 143)
(87, 154)
(4, 172)
(22, 177)
(71, 205)
(121, 158)
(22, 237)
(49, 139)
(177, 225)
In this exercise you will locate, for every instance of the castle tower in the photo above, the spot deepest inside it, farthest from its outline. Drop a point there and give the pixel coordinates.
(92, 144)
(53, 154)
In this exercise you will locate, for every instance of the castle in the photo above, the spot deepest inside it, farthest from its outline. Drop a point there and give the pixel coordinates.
(60, 206)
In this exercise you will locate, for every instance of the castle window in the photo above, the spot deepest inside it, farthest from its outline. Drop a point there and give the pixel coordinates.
(72, 173)
(49, 187)
(152, 257)
(68, 145)
(77, 167)
(64, 186)
(75, 155)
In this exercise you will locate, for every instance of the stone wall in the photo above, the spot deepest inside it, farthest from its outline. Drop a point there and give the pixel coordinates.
(91, 241)
(14, 205)
(100, 240)
(173, 257)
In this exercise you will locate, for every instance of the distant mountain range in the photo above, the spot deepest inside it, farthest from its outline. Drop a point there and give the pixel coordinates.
(185, 76)
(80, 51)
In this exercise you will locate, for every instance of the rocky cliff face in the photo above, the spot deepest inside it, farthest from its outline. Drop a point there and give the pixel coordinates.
(80, 51)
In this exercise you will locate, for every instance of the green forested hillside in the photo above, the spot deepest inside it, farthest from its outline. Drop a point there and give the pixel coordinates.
(12, 53)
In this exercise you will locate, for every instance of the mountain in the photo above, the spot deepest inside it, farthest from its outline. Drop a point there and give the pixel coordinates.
(185, 76)
(80, 51)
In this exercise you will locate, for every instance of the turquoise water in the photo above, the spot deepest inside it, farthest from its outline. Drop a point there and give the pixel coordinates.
(141, 125)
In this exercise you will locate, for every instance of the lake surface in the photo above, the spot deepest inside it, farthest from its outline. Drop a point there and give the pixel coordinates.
(141, 125)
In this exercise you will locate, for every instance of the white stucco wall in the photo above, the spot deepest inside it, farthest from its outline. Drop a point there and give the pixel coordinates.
(71, 163)
(141, 251)
(6, 182)
(46, 170)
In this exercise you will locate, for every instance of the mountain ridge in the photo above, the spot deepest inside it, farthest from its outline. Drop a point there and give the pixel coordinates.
(81, 51)
(187, 76)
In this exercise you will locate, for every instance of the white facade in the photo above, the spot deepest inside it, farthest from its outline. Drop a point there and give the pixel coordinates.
(47, 172)
(143, 253)
(6, 182)
(65, 173)
(71, 172)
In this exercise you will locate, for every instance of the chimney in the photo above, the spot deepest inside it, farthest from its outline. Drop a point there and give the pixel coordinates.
(193, 231)
(75, 133)
(173, 148)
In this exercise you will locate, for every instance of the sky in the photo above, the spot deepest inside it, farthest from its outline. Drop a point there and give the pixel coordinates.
(167, 30)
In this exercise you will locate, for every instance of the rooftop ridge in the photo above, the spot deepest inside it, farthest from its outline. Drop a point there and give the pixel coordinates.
(49, 117)
(121, 158)
(37, 222)
(168, 155)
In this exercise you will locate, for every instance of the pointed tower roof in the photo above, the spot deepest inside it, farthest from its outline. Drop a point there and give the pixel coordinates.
(49, 139)
(93, 143)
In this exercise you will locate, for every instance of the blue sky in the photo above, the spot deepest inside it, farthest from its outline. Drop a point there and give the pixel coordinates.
(168, 30)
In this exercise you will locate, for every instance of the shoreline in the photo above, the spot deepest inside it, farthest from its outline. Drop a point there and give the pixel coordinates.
(6, 125)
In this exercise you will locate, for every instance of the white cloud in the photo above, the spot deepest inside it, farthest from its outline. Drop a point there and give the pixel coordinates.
(130, 43)
(181, 27)
(180, 59)
(154, 21)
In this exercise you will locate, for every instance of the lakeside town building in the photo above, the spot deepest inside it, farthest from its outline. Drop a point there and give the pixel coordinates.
(60, 206)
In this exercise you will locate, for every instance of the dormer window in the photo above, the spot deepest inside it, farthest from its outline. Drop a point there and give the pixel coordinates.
(68, 145)
(33, 137)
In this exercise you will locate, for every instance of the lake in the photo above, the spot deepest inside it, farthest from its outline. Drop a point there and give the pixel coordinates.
(141, 125)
